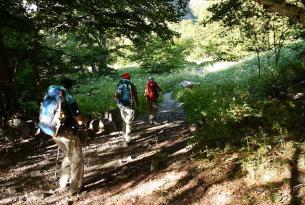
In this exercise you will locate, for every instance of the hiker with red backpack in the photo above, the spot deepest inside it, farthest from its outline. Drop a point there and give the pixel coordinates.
(127, 100)
(59, 119)
(151, 94)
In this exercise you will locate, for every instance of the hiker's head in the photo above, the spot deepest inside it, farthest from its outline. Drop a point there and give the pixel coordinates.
(67, 83)
(126, 76)
(150, 78)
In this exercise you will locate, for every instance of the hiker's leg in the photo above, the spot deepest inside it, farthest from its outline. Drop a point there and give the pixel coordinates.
(129, 119)
(65, 172)
(123, 119)
(150, 111)
(123, 113)
(127, 133)
(77, 165)
(154, 110)
(124, 128)
(124, 122)
(63, 144)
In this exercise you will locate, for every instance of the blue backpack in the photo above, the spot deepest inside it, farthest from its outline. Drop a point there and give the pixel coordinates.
(124, 91)
(50, 108)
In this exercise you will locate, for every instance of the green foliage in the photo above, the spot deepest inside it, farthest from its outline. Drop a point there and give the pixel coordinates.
(158, 56)
(53, 38)
(260, 30)
(96, 96)
(234, 104)
(211, 40)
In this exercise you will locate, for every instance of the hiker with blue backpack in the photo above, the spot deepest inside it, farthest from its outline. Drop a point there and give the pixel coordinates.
(59, 119)
(127, 100)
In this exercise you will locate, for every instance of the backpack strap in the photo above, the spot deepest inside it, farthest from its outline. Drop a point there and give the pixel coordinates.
(57, 119)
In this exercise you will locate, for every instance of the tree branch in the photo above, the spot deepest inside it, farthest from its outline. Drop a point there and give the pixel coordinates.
(283, 8)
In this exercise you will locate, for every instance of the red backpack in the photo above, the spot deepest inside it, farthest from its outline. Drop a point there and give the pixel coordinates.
(152, 90)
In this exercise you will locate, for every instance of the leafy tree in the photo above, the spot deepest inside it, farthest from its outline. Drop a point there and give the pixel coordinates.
(211, 40)
(261, 30)
(13, 20)
(159, 56)
(35, 20)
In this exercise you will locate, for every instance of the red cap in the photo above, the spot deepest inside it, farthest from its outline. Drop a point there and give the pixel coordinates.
(126, 76)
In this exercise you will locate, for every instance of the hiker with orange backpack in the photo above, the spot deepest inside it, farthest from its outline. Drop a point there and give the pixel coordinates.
(151, 94)
(127, 100)
(58, 118)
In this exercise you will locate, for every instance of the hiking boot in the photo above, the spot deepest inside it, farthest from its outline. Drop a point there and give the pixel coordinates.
(155, 123)
(72, 192)
(127, 139)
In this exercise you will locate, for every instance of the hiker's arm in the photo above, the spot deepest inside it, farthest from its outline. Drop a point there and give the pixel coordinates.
(145, 91)
(116, 97)
(135, 93)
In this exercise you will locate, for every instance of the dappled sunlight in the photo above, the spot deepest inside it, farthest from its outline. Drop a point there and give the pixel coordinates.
(26, 168)
(145, 188)
(226, 126)
(183, 150)
(221, 198)
(260, 175)
(92, 170)
(223, 193)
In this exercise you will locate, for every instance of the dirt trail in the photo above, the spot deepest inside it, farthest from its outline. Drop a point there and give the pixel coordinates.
(114, 173)
(158, 168)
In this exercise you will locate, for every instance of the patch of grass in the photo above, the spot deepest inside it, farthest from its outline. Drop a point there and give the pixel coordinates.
(96, 95)
(234, 104)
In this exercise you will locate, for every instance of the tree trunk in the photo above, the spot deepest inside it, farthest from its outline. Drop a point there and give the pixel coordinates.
(7, 84)
(277, 55)
(103, 60)
(36, 70)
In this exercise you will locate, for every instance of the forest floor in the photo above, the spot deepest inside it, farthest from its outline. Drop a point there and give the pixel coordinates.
(159, 167)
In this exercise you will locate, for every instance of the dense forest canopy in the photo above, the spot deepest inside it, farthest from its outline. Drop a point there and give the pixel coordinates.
(26, 28)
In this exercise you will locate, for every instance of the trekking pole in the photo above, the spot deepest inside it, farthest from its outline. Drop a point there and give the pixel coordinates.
(57, 158)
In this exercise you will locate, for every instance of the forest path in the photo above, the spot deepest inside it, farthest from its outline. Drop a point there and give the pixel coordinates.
(157, 168)
(114, 173)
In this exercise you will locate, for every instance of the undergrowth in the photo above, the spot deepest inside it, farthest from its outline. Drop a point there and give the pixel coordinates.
(96, 95)
(233, 104)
